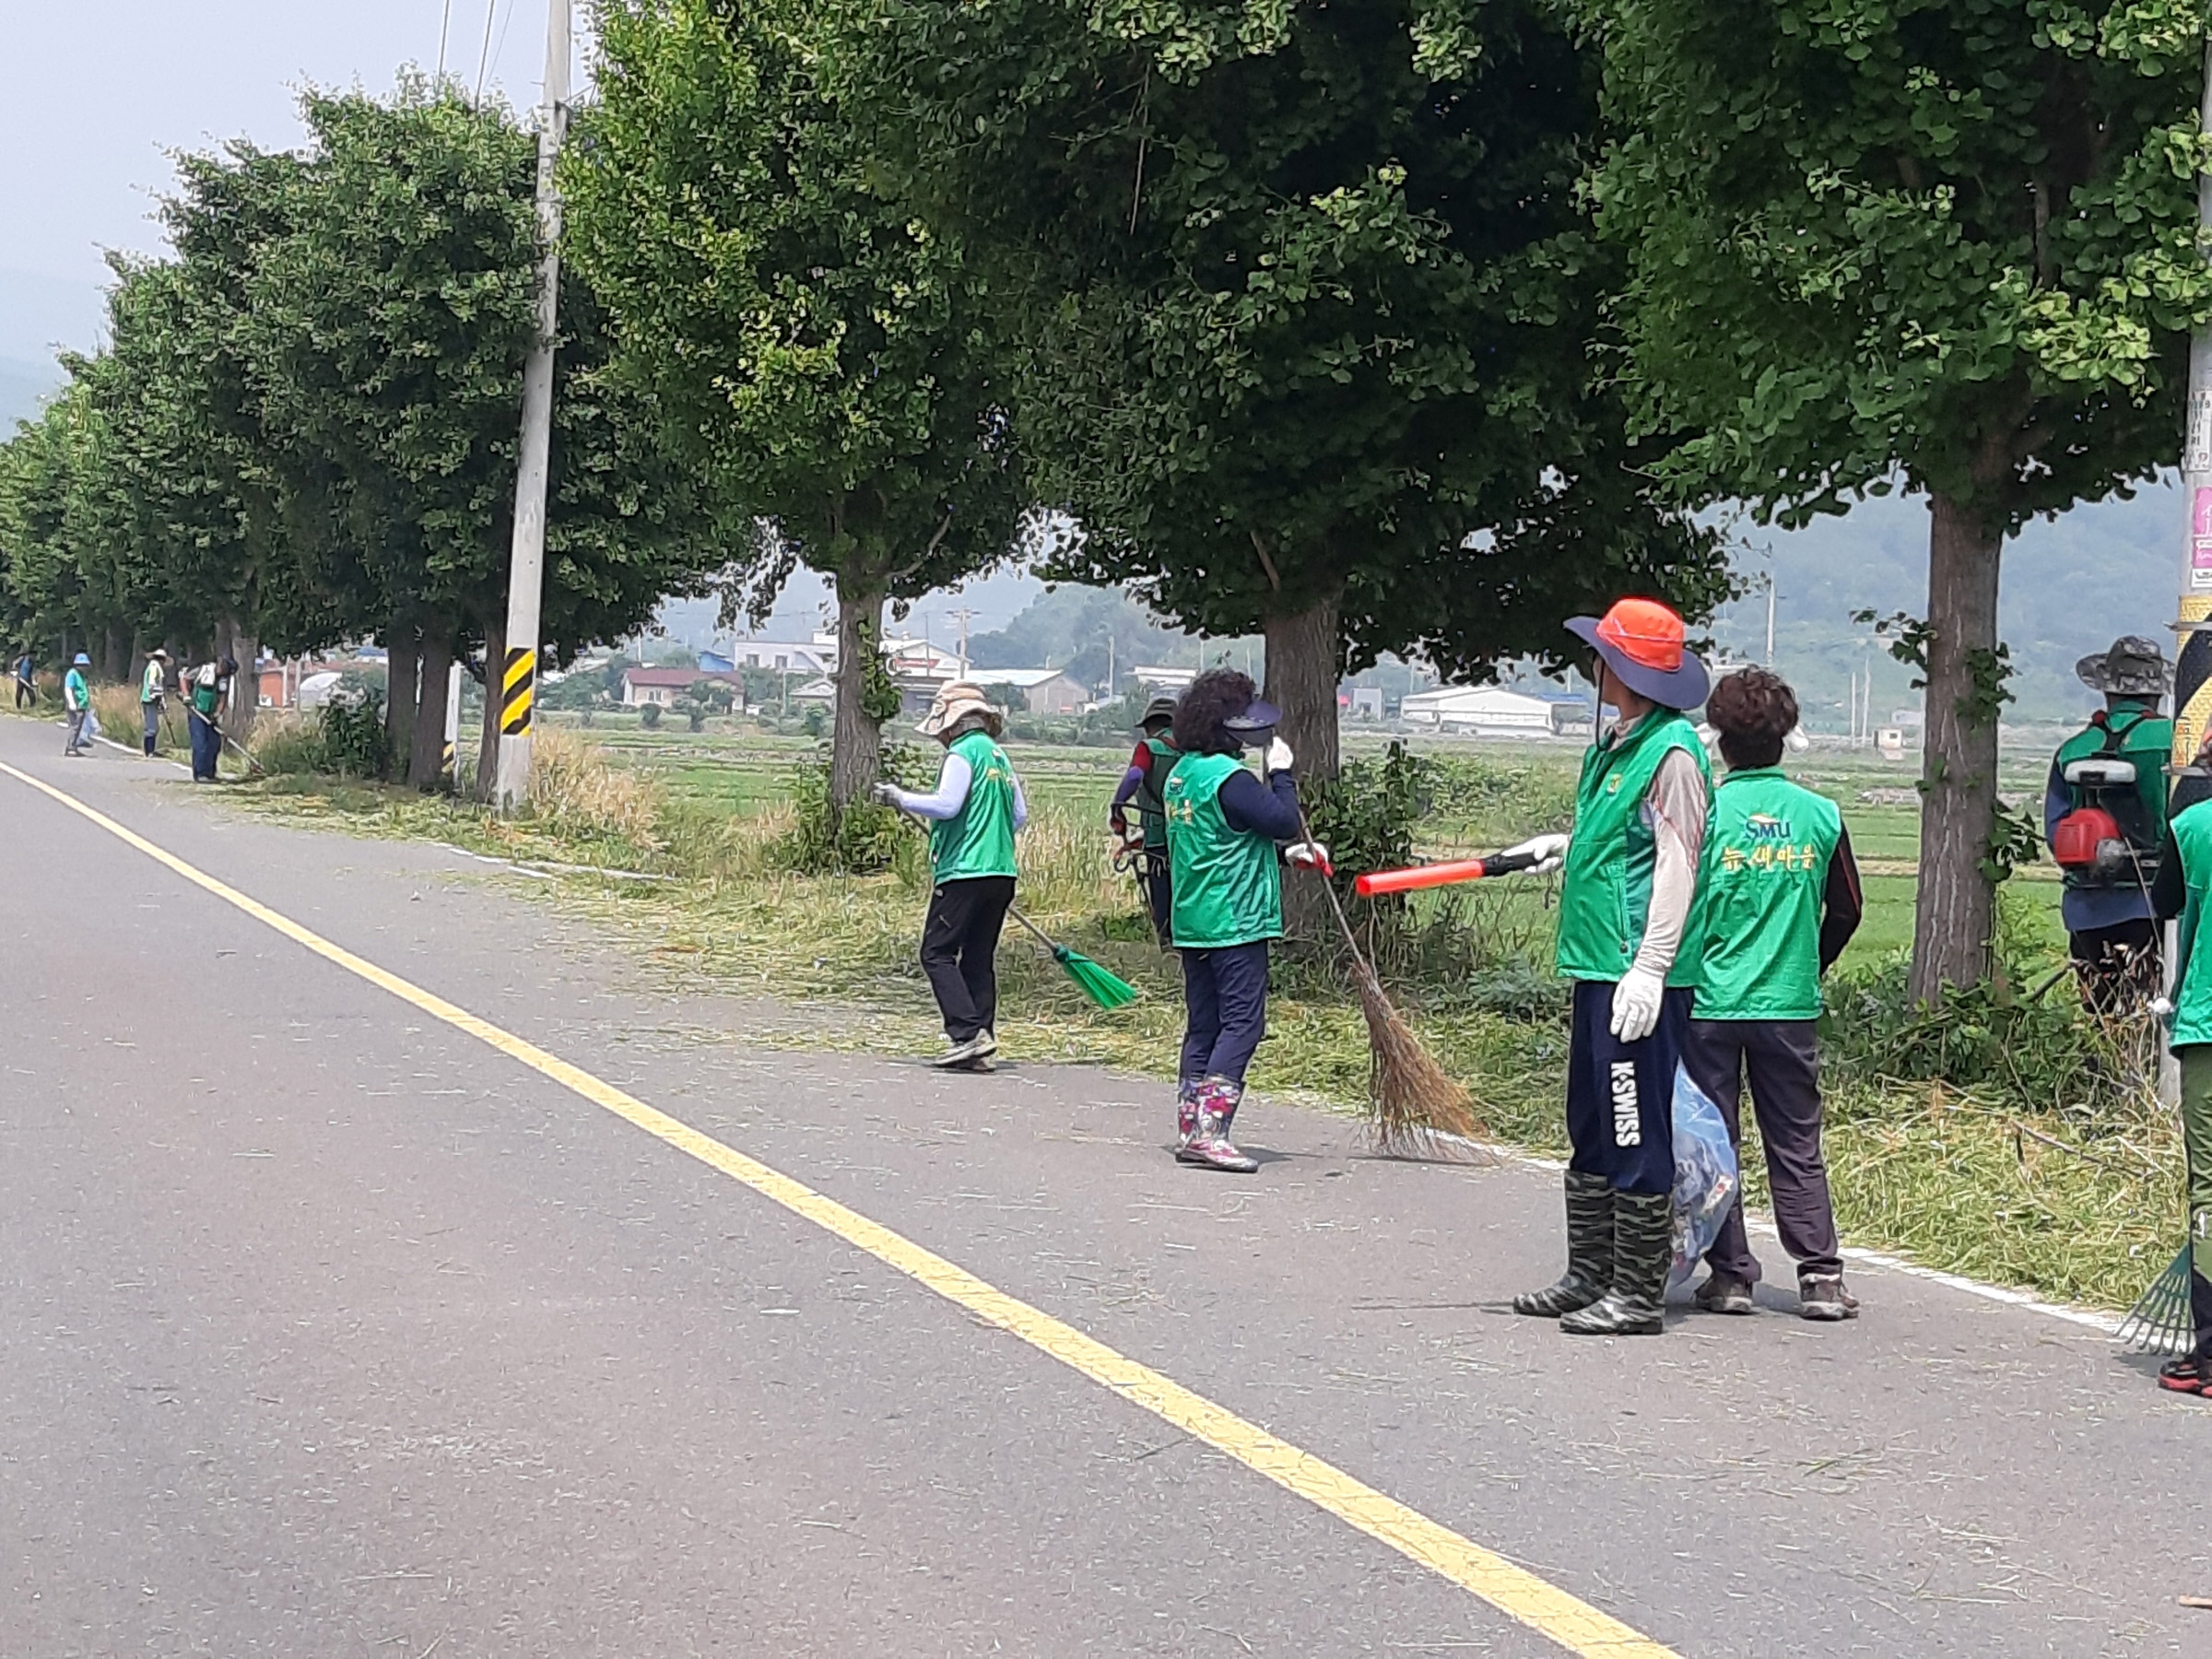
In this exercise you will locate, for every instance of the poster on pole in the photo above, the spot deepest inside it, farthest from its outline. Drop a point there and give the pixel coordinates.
(2200, 540)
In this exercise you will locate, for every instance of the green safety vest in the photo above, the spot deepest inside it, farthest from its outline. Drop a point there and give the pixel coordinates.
(1767, 850)
(206, 694)
(1229, 887)
(149, 685)
(1150, 793)
(74, 692)
(2134, 731)
(1606, 892)
(2193, 974)
(979, 838)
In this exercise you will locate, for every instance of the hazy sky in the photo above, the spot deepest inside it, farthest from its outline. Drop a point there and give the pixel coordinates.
(93, 93)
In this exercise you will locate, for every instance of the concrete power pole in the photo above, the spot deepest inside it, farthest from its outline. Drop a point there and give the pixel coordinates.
(517, 684)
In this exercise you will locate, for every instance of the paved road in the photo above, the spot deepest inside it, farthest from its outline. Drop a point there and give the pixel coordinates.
(328, 1330)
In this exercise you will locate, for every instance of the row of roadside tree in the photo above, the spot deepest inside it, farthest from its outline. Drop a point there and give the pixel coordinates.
(1409, 327)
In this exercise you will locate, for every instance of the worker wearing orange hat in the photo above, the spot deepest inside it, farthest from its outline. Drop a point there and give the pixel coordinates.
(1629, 939)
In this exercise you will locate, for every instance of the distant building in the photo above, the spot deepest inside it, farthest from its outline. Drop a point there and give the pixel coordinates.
(818, 655)
(1487, 711)
(1046, 691)
(1155, 679)
(664, 687)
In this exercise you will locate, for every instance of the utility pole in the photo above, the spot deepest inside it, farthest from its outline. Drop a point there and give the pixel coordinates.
(526, 570)
(963, 617)
(1769, 619)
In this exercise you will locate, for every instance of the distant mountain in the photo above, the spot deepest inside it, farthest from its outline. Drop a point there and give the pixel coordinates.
(24, 387)
(2069, 587)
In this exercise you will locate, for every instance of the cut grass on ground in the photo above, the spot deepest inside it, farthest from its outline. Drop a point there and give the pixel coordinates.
(2079, 1205)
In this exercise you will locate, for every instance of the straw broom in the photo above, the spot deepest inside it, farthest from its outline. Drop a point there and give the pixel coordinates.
(1414, 1109)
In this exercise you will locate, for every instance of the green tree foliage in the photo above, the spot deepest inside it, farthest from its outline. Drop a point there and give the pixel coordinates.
(305, 428)
(815, 348)
(1949, 245)
(1308, 297)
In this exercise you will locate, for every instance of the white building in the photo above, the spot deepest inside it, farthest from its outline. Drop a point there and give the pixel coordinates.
(818, 655)
(1046, 691)
(1485, 711)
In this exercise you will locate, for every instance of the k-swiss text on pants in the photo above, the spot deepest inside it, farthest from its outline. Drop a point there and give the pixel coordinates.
(1627, 1127)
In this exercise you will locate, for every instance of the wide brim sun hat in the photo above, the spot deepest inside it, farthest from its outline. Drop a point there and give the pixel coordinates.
(1642, 642)
(1259, 716)
(2131, 667)
(955, 703)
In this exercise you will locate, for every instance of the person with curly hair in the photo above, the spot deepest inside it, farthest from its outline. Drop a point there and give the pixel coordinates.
(1632, 938)
(973, 815)
(1224, 826)
(1782, 900)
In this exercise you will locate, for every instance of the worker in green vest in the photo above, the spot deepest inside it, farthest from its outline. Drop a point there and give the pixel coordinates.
(152, 685)
(2182, 893)
(1225, 827)
(1631, 939)
(1140, 787)
(973, 815)
(77, 705)
(1782, 900)
(2104, 817)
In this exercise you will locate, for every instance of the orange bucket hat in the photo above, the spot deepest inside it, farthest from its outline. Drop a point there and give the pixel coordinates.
(1642, 642)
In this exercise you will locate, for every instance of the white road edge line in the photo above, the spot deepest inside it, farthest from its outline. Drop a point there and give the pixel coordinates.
(1763, 1224)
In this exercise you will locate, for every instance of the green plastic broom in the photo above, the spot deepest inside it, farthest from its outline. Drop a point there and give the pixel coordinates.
(1096, 983)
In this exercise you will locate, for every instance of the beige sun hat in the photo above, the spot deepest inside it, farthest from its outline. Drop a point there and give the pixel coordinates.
(956, 702)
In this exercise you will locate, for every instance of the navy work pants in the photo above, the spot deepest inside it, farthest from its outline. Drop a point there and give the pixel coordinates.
(959, 951)
(1620, 1096)
(1225, 1007)
(206, 746)
(1783, 1059)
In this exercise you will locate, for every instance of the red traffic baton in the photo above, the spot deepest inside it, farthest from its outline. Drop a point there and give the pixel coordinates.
(1376, 883)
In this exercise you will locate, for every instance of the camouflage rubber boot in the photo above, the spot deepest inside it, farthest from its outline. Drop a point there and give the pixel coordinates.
(1589, 1251)
(1644, 1250)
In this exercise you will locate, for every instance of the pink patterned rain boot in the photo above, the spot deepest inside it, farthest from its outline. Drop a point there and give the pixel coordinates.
(1209, 1144)
(1186, 1113)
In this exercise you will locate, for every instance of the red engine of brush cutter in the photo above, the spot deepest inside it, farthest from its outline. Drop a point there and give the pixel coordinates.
(2087, 838)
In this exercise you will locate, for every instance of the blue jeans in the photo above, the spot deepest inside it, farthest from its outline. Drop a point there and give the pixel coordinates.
(1225, 1005)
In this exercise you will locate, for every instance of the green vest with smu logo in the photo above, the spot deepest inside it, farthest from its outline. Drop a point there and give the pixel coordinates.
(1229, 889)
(1767, 847)
(2192, 829)
(979, 838)
(1605, 892)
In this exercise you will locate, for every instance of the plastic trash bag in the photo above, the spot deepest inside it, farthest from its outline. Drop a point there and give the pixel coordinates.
(92, 730)
(1706, 1177)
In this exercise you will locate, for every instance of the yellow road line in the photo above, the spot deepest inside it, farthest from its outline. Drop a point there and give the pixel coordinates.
(1541, 1605)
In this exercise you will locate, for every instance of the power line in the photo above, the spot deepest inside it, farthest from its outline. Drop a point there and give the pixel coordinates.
(491, 10)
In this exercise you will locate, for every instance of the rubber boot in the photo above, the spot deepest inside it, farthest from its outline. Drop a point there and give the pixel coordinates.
(1589, 1251)
(1210, 1144)
(1643, 1249)
(1186, 1111)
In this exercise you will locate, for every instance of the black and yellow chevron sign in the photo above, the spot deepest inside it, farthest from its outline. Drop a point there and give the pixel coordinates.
(518, 689)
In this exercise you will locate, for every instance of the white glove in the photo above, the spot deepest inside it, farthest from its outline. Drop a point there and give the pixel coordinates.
(1636, 1005)
(1549, 850)
(1279, 755)
(1308, 855)
(885, 795)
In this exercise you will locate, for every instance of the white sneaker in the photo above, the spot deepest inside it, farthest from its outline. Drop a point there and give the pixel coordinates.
(978, 1047)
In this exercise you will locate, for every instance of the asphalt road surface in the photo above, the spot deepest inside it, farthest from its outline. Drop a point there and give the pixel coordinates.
(333, 1328)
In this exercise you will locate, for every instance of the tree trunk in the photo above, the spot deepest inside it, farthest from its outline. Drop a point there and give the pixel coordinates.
(401, 647)
(855, 741)
(487, 745)
(426, 758)
(1304, 652)
(1955, 915)
(245, 688)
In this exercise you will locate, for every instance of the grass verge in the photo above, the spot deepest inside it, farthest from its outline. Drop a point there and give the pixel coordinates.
(2053, 1171)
